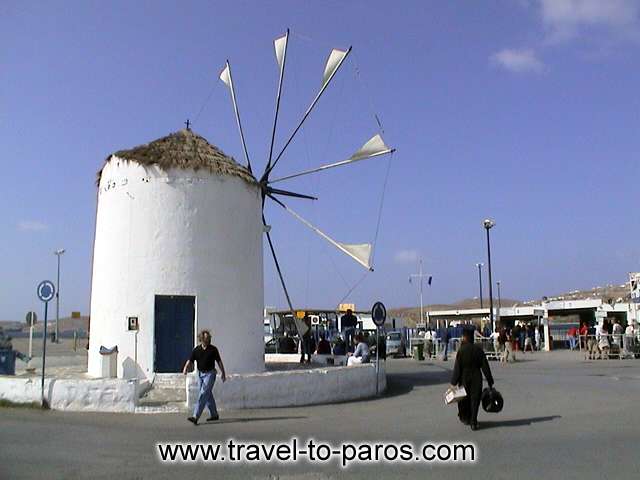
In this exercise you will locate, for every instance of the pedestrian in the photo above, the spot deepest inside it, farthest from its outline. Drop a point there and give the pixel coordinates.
(583, 332)
(515, 336)
(495, 339)
(306, 340)
(339, 347)
(617, 331)
(428, 340)
(509, 348)
(537, 338)
(205, 357)
(571, 337)
(502, 342)
(324, 347)
(629, 338)
(361, 353)
(348, 324)
(527, 339)
(592, 343)
(446, 336)
(471, 363)
(603, 340)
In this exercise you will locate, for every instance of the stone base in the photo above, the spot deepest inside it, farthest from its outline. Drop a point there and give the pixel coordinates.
(279, 388)
(293, 387)
(74, 394)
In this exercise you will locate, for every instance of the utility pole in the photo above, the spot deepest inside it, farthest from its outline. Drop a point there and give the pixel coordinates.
(58, 253)
(480, 265)
(420, 276)
(488, 224)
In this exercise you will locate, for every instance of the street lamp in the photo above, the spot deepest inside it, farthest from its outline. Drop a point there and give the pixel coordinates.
(499, 301)
(488, 224)
(58, 253)
(480, 265)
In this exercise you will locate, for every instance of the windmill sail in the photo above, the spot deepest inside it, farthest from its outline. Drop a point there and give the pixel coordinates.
(373, 148)
(336, 57)
(280, 45)
(361, 253)
(225, 76)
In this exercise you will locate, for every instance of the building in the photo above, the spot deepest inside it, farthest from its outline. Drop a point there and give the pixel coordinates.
(178, 248)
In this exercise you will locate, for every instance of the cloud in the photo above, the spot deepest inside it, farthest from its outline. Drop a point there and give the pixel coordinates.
(566, 19)
(406, 256)
(518, 61)
(31, 226)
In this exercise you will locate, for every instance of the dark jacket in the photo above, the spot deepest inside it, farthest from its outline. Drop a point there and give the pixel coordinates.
(471, 363)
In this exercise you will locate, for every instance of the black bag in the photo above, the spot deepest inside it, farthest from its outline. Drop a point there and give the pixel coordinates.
(492, 401)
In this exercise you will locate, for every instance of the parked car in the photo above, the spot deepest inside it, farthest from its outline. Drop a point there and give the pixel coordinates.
(395, 344)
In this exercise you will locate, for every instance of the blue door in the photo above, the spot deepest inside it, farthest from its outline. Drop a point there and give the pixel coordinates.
(174, 332)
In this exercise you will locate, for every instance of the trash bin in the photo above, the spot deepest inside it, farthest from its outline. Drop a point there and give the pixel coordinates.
(109, 362)
(418, 351)
(7, 361)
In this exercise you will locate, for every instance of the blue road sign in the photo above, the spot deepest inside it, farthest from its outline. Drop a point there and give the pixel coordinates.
(378, 313)
(46, 291)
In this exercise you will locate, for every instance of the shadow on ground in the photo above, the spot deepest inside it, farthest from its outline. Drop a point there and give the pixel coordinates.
(520, 422)
(403, 383)
(252, 419)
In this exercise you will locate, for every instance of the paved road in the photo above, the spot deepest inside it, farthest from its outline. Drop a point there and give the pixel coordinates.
(563, 418)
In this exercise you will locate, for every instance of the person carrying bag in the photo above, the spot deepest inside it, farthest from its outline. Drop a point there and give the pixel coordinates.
(470, 364)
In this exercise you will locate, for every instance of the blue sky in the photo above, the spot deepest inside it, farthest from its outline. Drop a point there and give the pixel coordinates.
(524, 111)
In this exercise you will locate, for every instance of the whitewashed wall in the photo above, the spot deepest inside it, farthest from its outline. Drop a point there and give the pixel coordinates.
(180, 232)
(293, 387)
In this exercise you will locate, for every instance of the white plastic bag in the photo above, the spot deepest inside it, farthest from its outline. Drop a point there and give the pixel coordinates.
(454, 395)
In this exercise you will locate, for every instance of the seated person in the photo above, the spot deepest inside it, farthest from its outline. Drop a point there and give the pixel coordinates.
(324, 347)
(339, 347)
(287, 344)
(361, 353)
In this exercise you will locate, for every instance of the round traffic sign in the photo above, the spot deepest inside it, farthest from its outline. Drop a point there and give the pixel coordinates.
(378, 313)
(31, 318)
(46, 291)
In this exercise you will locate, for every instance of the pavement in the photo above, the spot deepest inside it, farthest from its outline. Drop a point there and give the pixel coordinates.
(563, 418)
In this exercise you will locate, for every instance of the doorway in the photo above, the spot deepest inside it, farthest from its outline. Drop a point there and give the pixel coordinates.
(174, 331)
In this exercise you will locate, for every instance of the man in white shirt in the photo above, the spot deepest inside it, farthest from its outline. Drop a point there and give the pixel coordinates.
(617, 332)
(496, 344)
(629, 338)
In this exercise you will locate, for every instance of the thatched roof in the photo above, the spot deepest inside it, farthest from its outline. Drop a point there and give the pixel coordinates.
(187, 150)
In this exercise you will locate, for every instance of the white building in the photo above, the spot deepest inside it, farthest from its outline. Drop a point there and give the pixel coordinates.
(178, 244)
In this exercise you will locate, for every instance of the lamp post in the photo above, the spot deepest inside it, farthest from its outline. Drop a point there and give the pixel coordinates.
(499, 301)
(488, 224)
(58, 253)
(480, 265)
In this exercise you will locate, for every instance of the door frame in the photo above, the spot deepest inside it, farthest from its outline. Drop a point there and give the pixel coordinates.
(195, 322)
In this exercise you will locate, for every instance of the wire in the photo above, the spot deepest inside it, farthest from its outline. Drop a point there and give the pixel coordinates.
(384, 189)
(204, 103)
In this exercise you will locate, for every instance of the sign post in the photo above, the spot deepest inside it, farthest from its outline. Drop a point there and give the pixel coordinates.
(46, 292)
(379, 315)
(31, 319)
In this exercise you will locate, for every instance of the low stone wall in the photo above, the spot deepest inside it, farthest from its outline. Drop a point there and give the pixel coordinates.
(76, 395)
(292, 388)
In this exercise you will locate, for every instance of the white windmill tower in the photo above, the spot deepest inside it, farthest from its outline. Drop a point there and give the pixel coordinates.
(373, 148)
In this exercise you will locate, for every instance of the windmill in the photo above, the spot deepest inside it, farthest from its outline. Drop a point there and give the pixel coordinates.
(373, 148)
